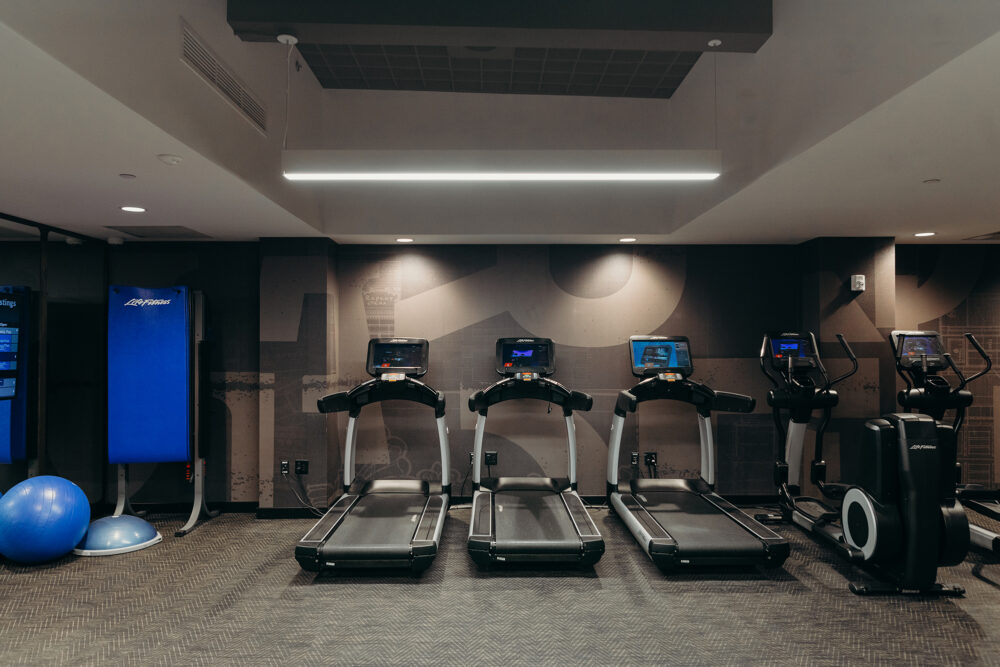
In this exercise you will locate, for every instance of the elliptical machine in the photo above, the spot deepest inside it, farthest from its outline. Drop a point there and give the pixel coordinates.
(898, 514)
(920, 356)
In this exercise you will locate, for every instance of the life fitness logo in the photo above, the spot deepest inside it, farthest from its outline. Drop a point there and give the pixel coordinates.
(142, 303)
(8, 304)
(525, 340)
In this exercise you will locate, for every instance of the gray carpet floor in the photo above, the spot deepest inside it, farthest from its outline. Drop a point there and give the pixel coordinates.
(231, 593)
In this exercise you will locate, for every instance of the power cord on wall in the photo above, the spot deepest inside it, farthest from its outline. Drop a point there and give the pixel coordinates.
(303, 501)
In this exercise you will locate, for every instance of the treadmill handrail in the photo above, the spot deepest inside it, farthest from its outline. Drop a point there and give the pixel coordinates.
(541, 388)
(376, 390)
(703, 397)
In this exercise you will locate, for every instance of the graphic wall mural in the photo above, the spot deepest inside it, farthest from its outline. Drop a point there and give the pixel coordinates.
(589, 300)
(954, 290)
(290, 320)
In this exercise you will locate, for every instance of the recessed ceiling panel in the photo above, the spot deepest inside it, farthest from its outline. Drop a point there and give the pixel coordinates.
(629, 48)
(526, 71)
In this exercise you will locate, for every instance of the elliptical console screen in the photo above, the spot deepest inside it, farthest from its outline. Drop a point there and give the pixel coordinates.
(397, 355)
(10, 343)
(792, 346)
(521, 355)
(913, 347)
(652, 355)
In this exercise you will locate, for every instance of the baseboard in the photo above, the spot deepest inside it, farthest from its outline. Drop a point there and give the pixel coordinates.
(177, 508)
(284, 513)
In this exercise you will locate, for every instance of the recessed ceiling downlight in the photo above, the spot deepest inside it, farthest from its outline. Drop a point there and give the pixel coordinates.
(404, 240)
(627, 239)
(924, 234)
(133, 209)
(170, 159)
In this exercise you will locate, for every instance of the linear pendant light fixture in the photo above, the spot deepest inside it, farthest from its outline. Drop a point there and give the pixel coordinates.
(634, 166)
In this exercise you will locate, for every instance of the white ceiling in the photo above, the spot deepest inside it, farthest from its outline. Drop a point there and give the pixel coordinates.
(829, 130)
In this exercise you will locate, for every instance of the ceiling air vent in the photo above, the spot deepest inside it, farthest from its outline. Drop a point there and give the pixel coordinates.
(161, 232)
(995, 236)
(204, 62)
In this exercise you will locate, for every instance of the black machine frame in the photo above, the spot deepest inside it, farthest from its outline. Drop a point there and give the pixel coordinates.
(683, 522)
(384, 523)
(542, 519)
(932, 394)
(896, 515)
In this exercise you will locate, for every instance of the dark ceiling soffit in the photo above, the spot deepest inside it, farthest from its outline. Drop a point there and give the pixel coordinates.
(45, 228)
(681, 25)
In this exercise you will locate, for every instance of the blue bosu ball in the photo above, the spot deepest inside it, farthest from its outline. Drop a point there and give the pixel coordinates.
(42, 518)
(117, 535)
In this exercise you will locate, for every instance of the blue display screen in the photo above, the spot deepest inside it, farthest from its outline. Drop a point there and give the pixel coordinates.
(918, 346)
(782, 348)
(526, 356)
(660, 354)
(10, 330)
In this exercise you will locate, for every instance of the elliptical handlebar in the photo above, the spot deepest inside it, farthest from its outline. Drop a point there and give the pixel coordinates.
(982, 353)
(763, 364)
(962, 381)
(850, 355)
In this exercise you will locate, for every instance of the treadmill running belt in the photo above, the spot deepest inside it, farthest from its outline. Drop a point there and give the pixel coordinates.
(380, 519)
(533, 521)
(698, 526)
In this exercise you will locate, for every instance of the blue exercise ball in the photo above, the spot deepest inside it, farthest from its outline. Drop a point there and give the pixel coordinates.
(117, 535)
(42, 518)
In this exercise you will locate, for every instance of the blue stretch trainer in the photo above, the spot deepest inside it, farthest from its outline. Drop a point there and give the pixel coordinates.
(117, 535)
(42, 518)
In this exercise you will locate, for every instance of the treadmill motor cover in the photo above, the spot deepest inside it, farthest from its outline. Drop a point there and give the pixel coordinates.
(653, 355)
(525, 355)
(397, 355)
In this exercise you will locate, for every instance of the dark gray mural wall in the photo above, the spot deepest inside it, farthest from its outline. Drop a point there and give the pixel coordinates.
(289, 321)
(589, 300)
(954, 290)
(298, 362)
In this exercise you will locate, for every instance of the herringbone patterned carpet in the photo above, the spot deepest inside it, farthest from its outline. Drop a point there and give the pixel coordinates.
(231, 594)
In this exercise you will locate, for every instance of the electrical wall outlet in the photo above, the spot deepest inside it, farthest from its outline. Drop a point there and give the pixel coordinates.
(858, 283)
(650, 458)
(284, 466)
(301, 466)
(634, 460)
(472, 458)
(491, 458)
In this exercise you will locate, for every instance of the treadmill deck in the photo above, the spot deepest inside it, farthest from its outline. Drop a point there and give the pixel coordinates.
(682, 522)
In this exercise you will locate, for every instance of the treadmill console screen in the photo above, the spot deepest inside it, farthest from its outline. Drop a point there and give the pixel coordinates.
(397, 355)
(11, 312)
(912, 347)
(652, 355)
(522, 355)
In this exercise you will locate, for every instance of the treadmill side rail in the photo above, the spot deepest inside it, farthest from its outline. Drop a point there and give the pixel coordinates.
(307, 550)
(423, 546)
(481, 528)
(776, 548)
(591, 542)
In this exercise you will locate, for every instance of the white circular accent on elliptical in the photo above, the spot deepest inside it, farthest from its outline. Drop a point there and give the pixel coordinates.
(856, 496)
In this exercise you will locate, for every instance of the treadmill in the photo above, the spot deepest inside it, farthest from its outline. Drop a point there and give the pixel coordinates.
(683, 522)
(383, 523)
(529, 519)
